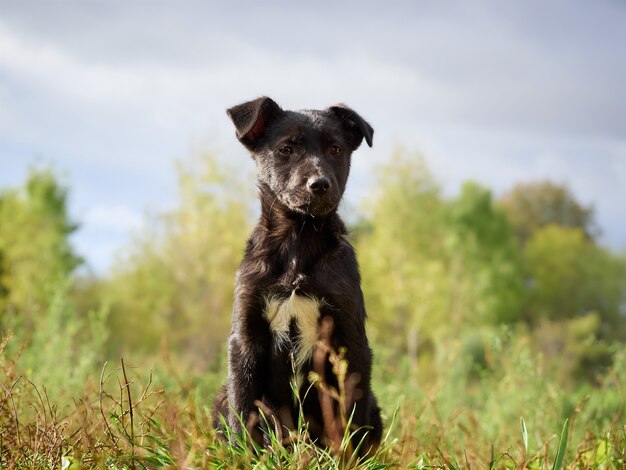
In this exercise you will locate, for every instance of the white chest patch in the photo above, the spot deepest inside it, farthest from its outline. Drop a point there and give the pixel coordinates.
(305, 311)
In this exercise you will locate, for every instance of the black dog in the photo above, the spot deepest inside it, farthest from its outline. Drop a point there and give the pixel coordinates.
(298, 268)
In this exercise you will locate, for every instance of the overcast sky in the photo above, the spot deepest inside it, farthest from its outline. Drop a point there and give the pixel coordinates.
(500, 92)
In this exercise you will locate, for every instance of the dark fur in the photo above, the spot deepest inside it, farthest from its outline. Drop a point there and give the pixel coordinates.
(298, 245)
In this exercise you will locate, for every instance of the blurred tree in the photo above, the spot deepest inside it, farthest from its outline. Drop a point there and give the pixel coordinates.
(432, 267)
(483, 258)
(573, 349)
(65, 349)
(400, 252)
(533, 205)
(36, 254)
(175, 283)
(569, 276)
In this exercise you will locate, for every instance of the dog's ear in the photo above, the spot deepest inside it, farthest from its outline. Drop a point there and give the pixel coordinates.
(355, 126)
(252, 118)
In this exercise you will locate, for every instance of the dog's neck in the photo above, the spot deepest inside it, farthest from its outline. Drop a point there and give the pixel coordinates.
(294, 236)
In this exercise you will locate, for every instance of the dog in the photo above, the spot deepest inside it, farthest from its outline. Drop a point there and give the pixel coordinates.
(298, 269)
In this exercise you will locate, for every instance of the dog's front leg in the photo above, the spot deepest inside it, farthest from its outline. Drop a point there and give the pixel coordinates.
(245, 384)
(247, 361)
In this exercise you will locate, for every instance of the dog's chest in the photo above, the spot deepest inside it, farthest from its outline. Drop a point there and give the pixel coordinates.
(293, 322)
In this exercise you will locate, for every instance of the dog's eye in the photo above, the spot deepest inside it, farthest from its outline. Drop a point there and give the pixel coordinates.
(335, 150)
(285, 150)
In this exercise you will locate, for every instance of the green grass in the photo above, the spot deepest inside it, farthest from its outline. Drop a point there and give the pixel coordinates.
(503, 408)
(125, 421)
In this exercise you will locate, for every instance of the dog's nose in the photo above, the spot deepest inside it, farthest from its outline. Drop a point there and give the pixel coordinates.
(318, 184)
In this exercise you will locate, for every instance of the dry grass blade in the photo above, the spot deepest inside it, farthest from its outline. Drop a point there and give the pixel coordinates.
(9, 395)
(130, 408)
(31, 436)
(109, 432)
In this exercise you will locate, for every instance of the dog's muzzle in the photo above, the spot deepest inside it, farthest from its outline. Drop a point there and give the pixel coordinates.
(318, 185)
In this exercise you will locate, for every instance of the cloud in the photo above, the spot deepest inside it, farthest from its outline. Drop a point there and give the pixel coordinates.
(104, 230)
(479, 66)
(116, 218)
(496, 92)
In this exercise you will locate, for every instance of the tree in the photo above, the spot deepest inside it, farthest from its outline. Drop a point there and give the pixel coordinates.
(432, 267)
(569, 276)
(533, 205)
(175, 282)
(482, 253)
(400, 252)
(36, 254)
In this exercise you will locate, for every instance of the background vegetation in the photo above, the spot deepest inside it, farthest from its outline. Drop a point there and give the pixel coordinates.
(493, 321)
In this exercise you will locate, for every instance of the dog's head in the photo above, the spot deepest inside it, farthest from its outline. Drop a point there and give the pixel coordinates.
(302, 157)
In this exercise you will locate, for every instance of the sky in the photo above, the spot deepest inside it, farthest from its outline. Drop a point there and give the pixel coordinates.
(111, 93)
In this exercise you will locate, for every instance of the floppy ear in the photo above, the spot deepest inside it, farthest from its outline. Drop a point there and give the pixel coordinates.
(252, 118)
(354, 125)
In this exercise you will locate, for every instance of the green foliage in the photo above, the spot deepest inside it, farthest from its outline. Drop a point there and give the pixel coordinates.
(570, 276)
(484, 346)
(481, 247)
(573, 349)
(177, 278)
(432, 267)
(65, 349)
(51, 342)
(35, 253)
(607, 408)
(560, 455)
(400, 252)
(454, 422)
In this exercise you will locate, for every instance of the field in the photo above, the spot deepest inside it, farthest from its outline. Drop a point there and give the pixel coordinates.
(497, 326)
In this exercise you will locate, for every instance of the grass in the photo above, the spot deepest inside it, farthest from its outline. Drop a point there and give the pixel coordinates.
(443, 414)
(127, 422)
